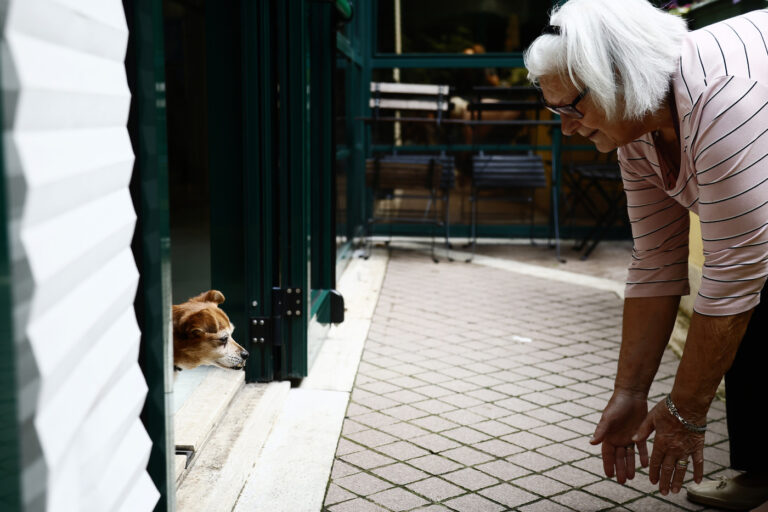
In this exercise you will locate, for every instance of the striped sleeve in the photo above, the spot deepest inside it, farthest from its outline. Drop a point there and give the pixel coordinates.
(730, 151)
(659, 264)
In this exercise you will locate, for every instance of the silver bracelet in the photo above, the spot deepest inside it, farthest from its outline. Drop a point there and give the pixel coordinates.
(699, 429)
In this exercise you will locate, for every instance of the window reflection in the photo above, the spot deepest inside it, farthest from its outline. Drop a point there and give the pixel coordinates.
(453, 26)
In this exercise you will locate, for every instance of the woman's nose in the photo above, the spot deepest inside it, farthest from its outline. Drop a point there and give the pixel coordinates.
(568, 125)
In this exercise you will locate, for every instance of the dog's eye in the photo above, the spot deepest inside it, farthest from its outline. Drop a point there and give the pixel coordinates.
(223, 340)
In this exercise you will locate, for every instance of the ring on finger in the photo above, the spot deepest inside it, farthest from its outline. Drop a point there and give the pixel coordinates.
(682, 463)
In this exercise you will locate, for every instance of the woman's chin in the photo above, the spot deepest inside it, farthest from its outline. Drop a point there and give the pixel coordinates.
(604, 146)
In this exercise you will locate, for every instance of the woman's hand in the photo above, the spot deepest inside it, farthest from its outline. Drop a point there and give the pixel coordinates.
(672, 444)
(621, 418)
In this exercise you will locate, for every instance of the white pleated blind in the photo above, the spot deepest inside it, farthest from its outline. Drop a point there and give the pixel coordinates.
(68, 162)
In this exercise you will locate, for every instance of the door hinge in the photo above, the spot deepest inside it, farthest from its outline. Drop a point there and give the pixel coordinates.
(286, 304)
(261, 330)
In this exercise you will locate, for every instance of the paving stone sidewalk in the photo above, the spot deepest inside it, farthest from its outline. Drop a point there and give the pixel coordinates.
(479, 389)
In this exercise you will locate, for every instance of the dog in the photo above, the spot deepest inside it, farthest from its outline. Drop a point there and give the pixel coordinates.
(202, 334)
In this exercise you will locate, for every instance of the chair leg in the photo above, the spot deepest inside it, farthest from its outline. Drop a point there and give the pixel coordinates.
(533, 212)
(556, 222)
(367, 241)
(447, 207)
(473, 227)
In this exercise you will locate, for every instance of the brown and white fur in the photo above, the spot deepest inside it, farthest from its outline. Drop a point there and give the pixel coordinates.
(202, 334)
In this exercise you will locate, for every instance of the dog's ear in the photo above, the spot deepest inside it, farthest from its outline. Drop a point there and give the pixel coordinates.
(195, 324)
(214, 296)
(177, 313)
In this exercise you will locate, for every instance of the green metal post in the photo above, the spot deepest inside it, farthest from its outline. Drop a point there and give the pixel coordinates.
(358, 81)
(226, 160)
(322, 145)
(10, 456)
(151, 242)
(258, 110)
(293, 181)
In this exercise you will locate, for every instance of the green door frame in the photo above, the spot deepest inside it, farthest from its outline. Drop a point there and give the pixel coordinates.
(293, 185)
(145, 69)
(10, 445)
(264, 244)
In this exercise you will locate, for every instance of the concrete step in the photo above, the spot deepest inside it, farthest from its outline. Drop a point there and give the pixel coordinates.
(204, 395)
(293, 470)
(219, 469)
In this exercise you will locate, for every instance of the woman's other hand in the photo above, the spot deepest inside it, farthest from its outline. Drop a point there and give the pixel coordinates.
(673, 447)
(621, 418)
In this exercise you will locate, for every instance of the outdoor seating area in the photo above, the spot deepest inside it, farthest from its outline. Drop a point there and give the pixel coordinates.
(509, 170)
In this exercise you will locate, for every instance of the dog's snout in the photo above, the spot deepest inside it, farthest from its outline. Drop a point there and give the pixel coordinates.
(244, 354)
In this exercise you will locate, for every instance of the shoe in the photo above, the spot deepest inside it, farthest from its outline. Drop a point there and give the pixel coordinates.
(742, 492)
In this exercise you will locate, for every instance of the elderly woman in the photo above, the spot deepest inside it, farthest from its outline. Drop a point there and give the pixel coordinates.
(688, 112)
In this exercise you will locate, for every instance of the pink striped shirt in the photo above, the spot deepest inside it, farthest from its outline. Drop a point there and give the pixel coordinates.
(721, 94)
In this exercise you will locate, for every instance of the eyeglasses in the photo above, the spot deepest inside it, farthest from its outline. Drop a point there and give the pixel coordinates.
(568, 110)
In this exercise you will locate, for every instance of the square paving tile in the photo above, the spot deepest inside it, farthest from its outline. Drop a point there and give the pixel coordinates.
(465, 435)
(434, 464)
(471, 479)
(572, 476)
(434, 423)
(341, 469)
(467, 456)
(371, 438)
(474, 503)
(463, 417)
(522, 421)
(400, 473)
(433, 406)
(613, 491)
(345, 447)
(433, 391)
(494, 428)
(509, 495)
(402, 450)
(563, 453)
(435, 443)
(398, 499)
(544, 506)
(336, 494)
(403, 430)
(526, 440)
(405, 412)
(366, 459)
(435, 489)
(541, 485)
(579, 500)
(363, 484)
(498, 447)
(357, 505)
(503, 470)
(533, 461)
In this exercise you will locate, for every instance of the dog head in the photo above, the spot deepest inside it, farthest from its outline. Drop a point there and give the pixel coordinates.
(202, 334)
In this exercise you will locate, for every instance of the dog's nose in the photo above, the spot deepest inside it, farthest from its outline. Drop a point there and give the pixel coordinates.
(244, 354)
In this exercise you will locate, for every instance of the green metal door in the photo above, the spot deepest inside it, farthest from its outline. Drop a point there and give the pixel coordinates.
(270, 166)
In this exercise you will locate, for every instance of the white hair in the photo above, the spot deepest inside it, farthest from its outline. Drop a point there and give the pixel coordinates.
(624, 52)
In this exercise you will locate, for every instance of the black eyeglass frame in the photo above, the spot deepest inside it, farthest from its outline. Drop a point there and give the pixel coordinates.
(568, 110)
